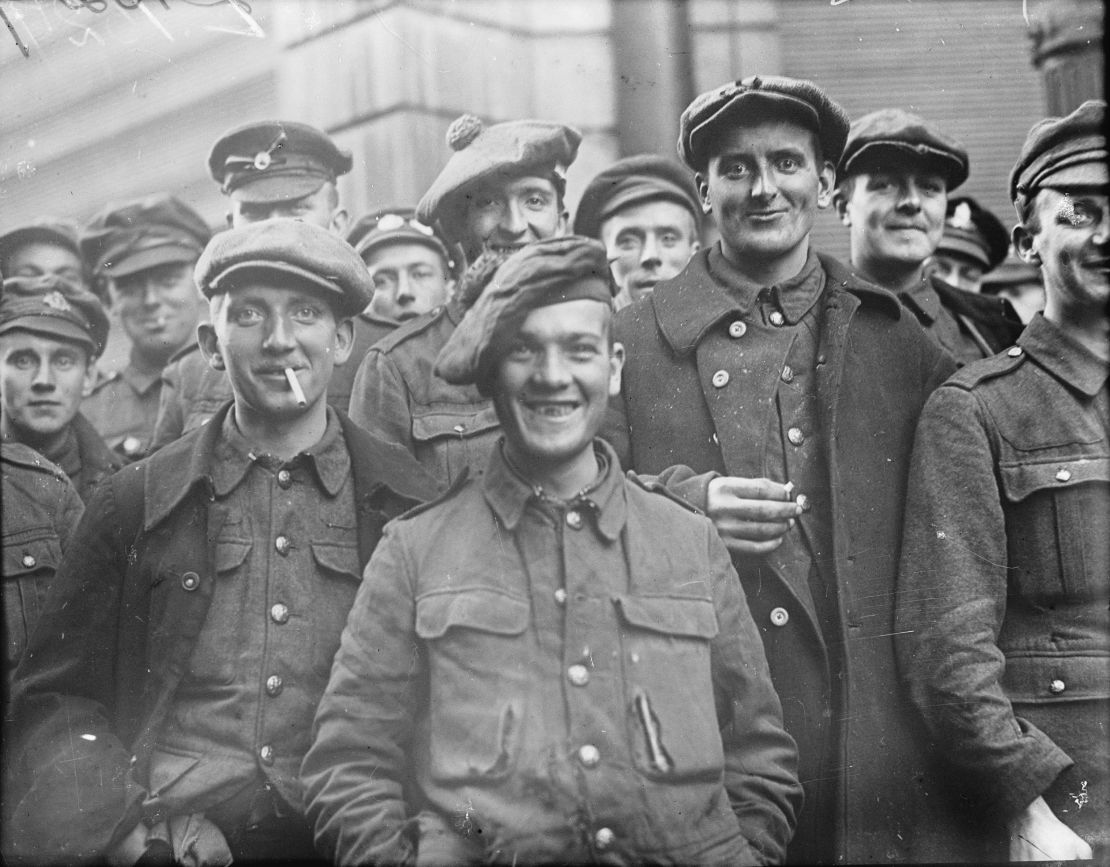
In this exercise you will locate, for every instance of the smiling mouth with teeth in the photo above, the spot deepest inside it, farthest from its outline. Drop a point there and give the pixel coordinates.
(552, 410)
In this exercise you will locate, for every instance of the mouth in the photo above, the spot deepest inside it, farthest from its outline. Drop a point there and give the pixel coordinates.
(44, 404)
(899, 227)
(1102, 265)
(504, 249)
(406, 315)
(551, 410)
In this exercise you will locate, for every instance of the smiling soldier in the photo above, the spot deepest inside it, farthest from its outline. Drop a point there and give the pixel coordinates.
(201, 601)
(573, 666)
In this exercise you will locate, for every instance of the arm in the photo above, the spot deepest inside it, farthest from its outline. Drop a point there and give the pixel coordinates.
(355, 770)
(761, 759)
(380, 400)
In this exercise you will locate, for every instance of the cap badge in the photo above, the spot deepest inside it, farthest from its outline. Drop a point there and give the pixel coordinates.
(961, 217)
(262, 160)
(57, 301)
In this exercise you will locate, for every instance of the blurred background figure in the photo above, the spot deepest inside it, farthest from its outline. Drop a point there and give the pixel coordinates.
(45, 246)
(1019, 283)
(974, 243)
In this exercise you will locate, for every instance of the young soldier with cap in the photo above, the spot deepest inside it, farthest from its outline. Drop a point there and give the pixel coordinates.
(1003, 597)
(46, 246)
(646, 212)
(501, 189)
(144, 251)
(974, 243)
(893, 183)
(793, 387)
(267, 169)
(571, 673)
(198, 609)
(51, 332)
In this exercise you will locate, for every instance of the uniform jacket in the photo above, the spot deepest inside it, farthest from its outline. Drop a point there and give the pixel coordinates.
(1003, 617)
(397, 396)
(986, 323)
(94, 460)
(875, 368)
(632, 719)
(123, 407)
(130, 599)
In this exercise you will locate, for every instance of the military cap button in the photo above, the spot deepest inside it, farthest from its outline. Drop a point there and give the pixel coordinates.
(796, 436)
(561, 596)
(777, 319)
(279, 613)
(1057, 686)
(262, 161)
(579, 675)
(284, 479)
(1063, 475)
(266, 754)
(737, 329)
(604, 838)
(788, 374)
(589, 755)
(459, 428)
(779, 617)
(720, 379)
(190, 581)
(282, 544)
(274, 685)
(574, 520)
(1014, 351)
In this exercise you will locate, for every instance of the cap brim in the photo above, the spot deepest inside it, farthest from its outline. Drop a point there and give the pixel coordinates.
(875, 153)
(277, 188)
(772, 103)
(399, 236)
(141, 260)
(344, 304)
(52, 326)
(964, 248)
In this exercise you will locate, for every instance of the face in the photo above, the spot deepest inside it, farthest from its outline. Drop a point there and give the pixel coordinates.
(647, 243)
(159, 309)
(39, 257)
(265, 325)
(320, 208)
(409, 279)
(1071, 243)
(896, 216)
(553, 384)
(765, 183)
(41, 383)
(958, 271)
(505, 214)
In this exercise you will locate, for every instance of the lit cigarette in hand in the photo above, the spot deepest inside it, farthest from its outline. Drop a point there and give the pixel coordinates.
(295, 385)
(789, 490)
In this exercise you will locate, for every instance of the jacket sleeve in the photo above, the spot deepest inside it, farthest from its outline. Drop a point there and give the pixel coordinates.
(72, 794)
(379, 401)
(761, 759)
(951, 603)
(354, 772)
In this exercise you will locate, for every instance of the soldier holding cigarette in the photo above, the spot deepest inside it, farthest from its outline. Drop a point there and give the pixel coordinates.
(166, 698)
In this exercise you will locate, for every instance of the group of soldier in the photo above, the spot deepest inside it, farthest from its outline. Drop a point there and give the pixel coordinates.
(447, 536)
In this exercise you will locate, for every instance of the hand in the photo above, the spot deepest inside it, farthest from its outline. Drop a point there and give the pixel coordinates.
(751, 515)
(1037, 835)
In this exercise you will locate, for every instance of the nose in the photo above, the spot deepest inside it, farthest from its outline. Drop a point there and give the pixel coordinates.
(514, 222)
(150, 293)
(44, 378)
(763, 185)
(551, 370)
(279, 336)
(649, 253)
(909, 198)
(404, 289)
(1102, 231)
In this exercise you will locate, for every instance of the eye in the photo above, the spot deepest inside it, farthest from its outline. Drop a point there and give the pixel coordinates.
(383, 281)
(627, 242)
(734, 171)
(669, 239)
(245, 316)
(1078, 214)
(519, 351)
(422, 274)
(65, 362)
(582, 351)
(307, 313)
(535, 202)
(22, 361)
(787, 164)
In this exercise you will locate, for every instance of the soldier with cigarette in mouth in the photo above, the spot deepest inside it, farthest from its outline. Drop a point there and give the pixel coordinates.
(200, 604)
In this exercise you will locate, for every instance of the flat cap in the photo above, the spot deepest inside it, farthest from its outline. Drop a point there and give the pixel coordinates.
(973, 232)
(49, 230)
(893, 133)
(289, 247)
(275, 160)
(55, 307)
(760, 96)
(633, 181)
(1062, 152)
(133, 236)
(482, 152)
(547, 272)
(393, 226)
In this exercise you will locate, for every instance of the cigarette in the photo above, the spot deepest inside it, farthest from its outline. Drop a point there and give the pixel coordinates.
(789, 490)
(295, 385)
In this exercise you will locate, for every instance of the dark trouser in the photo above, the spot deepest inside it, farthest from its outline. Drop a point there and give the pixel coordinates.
(260, 828)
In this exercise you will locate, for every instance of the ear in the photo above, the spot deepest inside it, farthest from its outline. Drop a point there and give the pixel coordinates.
(826, 184)
(1024, 245)
(702, 183)
(840, 203)
(616, 365)
(340, 220)
(344, 341)
(210, 346)
(89, 379)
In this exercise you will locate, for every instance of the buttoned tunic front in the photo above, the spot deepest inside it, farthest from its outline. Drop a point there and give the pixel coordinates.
(571, 682)
(1004, 593)
(123, 408)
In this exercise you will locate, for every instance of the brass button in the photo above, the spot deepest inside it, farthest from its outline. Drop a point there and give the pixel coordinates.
(190, 581)
(589, 755)
(803, 501)
(579, 675)
(266, 754)
(604, 838)
(788, 374)
(561, 596)
(274, 685)
(777, 319)
(284, 479)
(779, 617)
(459, 428)
(737, 329)
(574, 520)
(282, 544)
(28, 561)
(796, 436)
(131, 446)
(1063, 475)
(720, 379)
(279, 613)
(1014, 351)
(1057, 686)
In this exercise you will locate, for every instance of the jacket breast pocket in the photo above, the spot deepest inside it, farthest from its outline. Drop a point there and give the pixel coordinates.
(30, 562)
(478, 674)
(452, 439)
(670, 708)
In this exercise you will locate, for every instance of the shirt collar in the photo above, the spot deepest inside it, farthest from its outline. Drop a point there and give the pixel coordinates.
(794, 297)
(233, 458)
(923, 300)
(140, 382)
(508, 493)
(1063, 356)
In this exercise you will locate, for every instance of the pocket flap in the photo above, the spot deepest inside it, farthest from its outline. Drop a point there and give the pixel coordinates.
(30, 556)
(483, 608)
(453, 425)
(337, 559)
(230, 555)
(1060, 677)
(1019, 480)
(673, 615)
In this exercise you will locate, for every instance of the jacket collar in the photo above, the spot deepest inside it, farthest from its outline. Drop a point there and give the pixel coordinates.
(508, 494)
(1064, 357)
(793, 297)
(687, 306)
(923, 301)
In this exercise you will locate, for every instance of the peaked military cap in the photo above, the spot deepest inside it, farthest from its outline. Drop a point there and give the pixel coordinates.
(391, 226)
(546, 272)
(894, 132)
(633, 181)
(481, 152)
(54, 307)
(760, 95)
(973, 232)
(291, 247)
(275, 160)
(127, 238)
(1060, 152)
